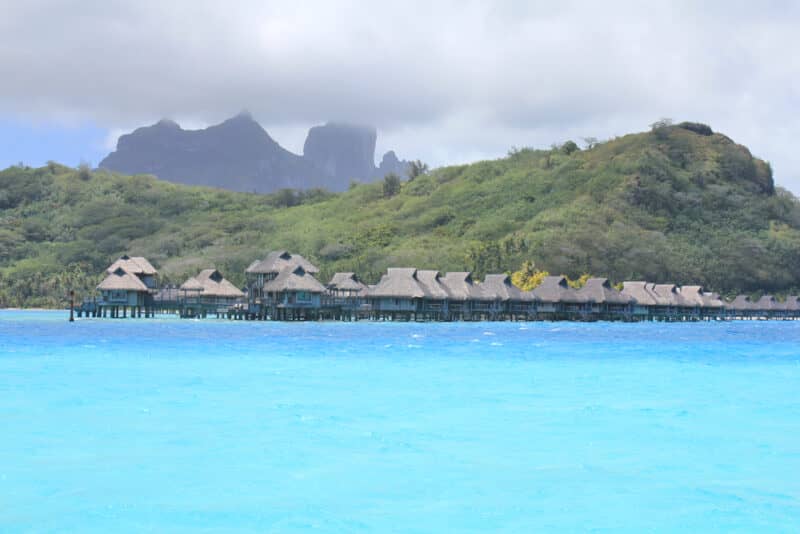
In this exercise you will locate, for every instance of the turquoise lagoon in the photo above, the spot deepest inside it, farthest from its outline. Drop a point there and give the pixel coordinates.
(184, 426)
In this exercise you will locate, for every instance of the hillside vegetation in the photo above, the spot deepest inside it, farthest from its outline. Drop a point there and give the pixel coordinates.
(675, 204)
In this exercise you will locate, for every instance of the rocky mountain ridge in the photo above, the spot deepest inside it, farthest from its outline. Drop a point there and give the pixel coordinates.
(239, 155)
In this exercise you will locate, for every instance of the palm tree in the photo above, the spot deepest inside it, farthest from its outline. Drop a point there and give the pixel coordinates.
(416, 168)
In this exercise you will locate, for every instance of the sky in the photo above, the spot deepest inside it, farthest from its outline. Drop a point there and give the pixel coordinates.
(445, 82)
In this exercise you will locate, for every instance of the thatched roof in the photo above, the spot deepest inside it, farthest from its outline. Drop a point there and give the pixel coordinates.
(398, 283)
(554, 289)
(278, 260)
(294, 279)
(712, 300)
(741, 303)
(213, 284)
(791, 304)
(599, 290)
(670, 296)
(430, 282)
(693, 295)
(346, 282)
(459, 286)
(661, 300)
(767, 303)
(133, 265)
(122, 280)
(499, 287)
(192, 284)
(640, 292)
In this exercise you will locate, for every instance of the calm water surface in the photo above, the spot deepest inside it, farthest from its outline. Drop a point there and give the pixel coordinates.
(171, 425)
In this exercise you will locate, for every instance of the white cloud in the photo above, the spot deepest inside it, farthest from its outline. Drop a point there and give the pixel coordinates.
(443, 81)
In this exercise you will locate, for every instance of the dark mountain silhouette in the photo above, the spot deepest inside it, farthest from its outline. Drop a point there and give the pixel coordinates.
(238, 154)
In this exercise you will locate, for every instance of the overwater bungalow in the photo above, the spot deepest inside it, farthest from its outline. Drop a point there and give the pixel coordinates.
(121, 291)
(768, 306)
(644, 299)
(345, 297)
(210, 291)
(673, 304)
(434, 305)
(701, 303)
(137, 266)
(293, 294)
(603, 301)
(509, 301)
(556, 300)
(346, 285)
(461, 292)
(190, 290)
(260, 272)
(396, 294)
(741, 307)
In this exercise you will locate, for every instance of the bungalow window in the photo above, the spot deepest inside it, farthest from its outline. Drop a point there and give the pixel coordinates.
(119, 295)
(303, 296)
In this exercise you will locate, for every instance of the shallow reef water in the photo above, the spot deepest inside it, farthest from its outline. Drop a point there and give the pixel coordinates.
(172, 425)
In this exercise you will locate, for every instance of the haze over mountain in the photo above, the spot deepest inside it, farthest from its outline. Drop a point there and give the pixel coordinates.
(238, 154)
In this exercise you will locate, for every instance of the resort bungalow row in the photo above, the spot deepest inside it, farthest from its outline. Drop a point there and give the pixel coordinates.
(283, 286)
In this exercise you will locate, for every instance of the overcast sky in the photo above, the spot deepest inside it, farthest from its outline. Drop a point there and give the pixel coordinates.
(446, 82)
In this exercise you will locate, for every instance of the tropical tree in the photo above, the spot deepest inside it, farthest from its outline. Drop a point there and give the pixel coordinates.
(416, 169)
(391, 185)
(528, 277)
(580, 282)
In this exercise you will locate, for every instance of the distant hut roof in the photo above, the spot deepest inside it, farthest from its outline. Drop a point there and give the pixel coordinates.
(192, 284)
(712, 300)
(278, 260)
(213, 284)
(640, 292)
(122, 280)
(459, 285)
(791, 304)
(430, 282)
(741, 303)
(346, 282)
(398, 283)
(670, 296)
(294, 279)
(767, 303)
(599, 290)
(133, 265)
(555, 289)
(665, 300)
(693, 295)
(501, 288)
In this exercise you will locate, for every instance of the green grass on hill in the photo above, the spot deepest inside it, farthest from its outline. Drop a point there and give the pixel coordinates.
(671, 204)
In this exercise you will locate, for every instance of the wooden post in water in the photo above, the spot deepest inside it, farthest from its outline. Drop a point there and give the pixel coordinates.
(72, 305)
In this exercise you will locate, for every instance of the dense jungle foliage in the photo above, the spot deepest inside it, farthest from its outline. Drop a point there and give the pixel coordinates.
(678, 204)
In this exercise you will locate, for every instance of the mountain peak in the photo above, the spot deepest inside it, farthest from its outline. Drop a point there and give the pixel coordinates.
(167, 124)
(239, 154)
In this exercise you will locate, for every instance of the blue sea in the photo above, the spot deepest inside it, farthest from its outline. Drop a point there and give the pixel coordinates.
(172, 425)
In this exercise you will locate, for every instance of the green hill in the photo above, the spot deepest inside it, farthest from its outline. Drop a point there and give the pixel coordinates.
(678, 203)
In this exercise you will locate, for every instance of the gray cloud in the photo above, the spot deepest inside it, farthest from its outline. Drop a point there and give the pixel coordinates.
(444, 81)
